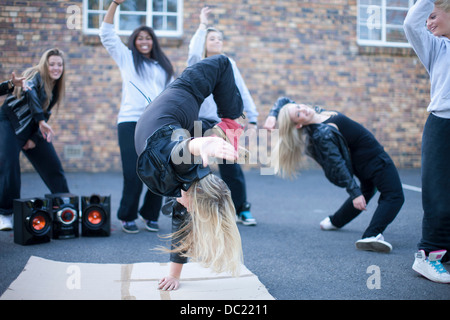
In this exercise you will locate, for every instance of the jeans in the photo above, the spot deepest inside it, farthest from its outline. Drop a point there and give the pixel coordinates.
(436, 185)
(378, 173)
(132, 184)
(43, 157)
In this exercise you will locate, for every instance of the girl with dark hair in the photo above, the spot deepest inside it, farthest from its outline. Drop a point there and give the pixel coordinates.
(23, 126)
(145, 71)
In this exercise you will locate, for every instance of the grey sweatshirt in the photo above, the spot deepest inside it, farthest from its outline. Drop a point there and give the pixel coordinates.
(434, 53)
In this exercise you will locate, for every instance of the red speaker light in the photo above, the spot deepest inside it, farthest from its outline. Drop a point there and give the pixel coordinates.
(38, 223)
(95, 217)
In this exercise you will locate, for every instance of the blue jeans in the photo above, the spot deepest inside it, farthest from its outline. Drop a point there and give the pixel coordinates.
(43, 157)
(379, 174)
(436, 185)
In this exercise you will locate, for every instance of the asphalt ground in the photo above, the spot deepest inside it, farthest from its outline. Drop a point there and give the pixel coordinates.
(289, 253)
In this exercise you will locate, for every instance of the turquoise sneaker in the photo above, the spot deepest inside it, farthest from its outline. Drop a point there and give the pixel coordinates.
(431, 267)
(246, 218)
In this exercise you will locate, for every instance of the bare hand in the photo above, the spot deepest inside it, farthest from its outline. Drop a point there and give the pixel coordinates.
(360, 203)
(206, 147)
(270, 123)
(169, 283)
(204, 15)
(46, 130)
(19, 82)
(29, 145)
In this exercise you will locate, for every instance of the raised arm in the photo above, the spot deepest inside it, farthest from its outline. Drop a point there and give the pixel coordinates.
(109, 16)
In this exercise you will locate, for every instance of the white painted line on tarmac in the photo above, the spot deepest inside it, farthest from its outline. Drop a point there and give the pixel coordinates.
(412, 188)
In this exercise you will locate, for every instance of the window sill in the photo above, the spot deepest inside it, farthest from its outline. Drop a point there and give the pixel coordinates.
(381, 50)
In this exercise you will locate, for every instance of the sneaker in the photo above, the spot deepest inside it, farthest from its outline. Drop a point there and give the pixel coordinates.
(151, 225)
(326, 224)
(129, 227)
(431, 267)
(376, 244)
(6, 222)
(246, 218)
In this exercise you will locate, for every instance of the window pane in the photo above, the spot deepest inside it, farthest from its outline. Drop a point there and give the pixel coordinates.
(395, 16)
(395, 35)
(93, 4)
(131, 22)
(397, 3)
(365, 3)
(158, 5)
(136, 5)
(172, 5)
(370, 34)
(158, 22)
(106, 4)
(171, 23)
(93, 20)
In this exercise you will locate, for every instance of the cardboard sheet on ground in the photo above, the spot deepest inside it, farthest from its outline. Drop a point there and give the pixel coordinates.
(47, 279)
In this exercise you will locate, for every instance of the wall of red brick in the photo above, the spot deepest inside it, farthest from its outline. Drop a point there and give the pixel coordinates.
(303, 49)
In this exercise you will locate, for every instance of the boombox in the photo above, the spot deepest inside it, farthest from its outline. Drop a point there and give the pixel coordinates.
(64, 208)
(96, 216)
(32, 222)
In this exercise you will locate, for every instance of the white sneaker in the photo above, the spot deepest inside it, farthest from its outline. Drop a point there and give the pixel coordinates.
(6, 222)
(326, 224)
(431, 267)
(376, 244)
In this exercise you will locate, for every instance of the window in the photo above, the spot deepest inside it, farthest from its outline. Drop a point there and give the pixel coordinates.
(164, 16)
(380, 22)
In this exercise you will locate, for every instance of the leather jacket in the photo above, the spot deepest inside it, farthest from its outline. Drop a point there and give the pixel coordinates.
(166, 166)
(4, 88)
(327, 146)
(329, 149)
(26, 112)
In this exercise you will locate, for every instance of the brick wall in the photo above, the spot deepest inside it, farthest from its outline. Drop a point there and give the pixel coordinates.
(303, 49)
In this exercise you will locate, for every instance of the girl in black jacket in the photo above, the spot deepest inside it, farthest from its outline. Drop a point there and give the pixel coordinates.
(25, 128)
(343, 148)
(172, 164)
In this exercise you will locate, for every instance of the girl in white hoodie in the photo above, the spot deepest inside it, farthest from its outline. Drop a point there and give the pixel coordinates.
(145, 71)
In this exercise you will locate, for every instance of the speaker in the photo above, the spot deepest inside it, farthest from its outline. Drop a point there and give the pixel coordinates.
(32, 222)
(64, 208)
(95, 216)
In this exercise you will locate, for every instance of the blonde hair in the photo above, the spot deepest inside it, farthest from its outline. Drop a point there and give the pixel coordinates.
(210, 235)
(443, 4)
(292, 142)
(290, 146)
(49, 85)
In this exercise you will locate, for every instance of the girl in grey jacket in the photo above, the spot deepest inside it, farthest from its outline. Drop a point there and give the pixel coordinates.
(427, 27)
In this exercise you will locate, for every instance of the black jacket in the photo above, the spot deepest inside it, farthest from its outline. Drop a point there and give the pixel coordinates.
(166, 166)
(327, 146)
(329, 149)
(27, 111)
(4, 88)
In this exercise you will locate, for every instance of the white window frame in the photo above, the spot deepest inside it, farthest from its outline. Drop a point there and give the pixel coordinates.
(149, 18)
(382, 24)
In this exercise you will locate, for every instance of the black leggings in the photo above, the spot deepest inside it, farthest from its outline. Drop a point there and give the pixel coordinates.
(380, 173)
